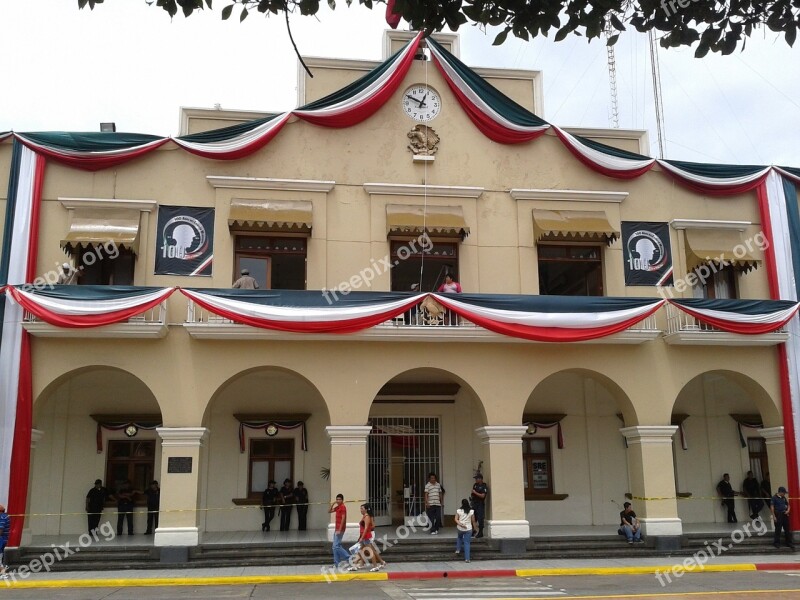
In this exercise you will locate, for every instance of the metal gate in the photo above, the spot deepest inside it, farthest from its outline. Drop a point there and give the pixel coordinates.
(401, 451)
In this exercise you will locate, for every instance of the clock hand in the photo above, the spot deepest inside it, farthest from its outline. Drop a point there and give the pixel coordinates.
(414, 99)
(422, 102)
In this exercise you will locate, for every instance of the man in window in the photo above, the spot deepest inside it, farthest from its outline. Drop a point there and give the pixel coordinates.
(245, 282)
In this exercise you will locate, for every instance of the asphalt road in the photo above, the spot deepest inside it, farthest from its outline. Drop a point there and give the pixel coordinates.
(702, 586)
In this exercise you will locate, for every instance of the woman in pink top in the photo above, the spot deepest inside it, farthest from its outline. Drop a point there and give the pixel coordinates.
(367, 548)
(449, 286)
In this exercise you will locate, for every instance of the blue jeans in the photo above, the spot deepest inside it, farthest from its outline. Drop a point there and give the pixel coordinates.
(630, 535)
(464, 537)
(339, 553)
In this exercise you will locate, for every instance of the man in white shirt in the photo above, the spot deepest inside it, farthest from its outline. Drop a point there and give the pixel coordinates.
(434, 501)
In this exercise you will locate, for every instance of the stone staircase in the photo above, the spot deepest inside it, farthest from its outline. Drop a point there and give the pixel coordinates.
(410, 550)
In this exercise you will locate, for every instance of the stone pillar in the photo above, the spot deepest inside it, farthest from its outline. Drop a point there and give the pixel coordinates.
(27, 536)
(652, 475)
(776, 455)
(349, 472)
(503, 454)
(180, 486)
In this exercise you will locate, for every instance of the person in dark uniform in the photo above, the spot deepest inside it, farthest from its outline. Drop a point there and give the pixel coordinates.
(95, 501)
(301, 498)
(124, 496)
(780, 515)
(286, 497)
(478, 501)
(725, 490)
(268, 501)
(752, 491)
(153, 494)
(766, 490)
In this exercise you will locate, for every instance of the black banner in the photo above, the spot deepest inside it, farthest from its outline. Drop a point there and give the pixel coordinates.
(647, 253)
(185, 241)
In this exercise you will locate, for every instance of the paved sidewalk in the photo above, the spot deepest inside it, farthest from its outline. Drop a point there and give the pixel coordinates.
(421, 570)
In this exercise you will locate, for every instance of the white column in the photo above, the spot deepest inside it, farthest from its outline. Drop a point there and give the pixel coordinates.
(348, 472)
(652, 476)
(27, 536)
(180, 491)
(776, 455)
(504, 476)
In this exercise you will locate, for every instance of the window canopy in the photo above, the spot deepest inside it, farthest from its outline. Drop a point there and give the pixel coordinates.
(590, 224)
(722, 246)
(99, 226)
(445, 221)
(270, 215)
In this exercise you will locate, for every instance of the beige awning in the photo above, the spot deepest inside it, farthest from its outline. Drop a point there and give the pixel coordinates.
(445, 221)
(100, 226)
(270, 215)
(590, 224)
(721, 246)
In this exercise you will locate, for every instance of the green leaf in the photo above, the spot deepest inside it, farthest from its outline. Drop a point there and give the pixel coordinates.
(616, 22)
(244, 14)
(501, 37)
(791, 35)
(612, 40)
(226, 12)
(563, 32)
(702, 50)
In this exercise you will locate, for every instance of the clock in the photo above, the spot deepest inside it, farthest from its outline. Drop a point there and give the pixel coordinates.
(131, 430)
(421, 102)
(271, 430)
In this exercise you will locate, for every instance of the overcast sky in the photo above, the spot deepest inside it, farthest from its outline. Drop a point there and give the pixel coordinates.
(65, 69)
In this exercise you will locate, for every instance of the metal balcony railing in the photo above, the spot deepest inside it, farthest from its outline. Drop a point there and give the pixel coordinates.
(155, 316)
(680, 322)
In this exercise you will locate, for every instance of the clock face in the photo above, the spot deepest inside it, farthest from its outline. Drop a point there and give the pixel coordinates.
(131, 430)
(271, 430)
(422, 103)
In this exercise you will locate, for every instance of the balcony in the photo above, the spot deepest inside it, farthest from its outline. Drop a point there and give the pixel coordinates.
(684, 329)
(416, 325)
(151, 324)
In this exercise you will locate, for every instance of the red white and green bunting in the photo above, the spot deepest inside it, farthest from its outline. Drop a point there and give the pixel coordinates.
(748, 317)
(60, 305)
(620, 165)
(243, 142)
(495, 114)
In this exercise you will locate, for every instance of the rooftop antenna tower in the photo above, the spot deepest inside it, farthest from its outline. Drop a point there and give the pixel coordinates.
(612, 75)
(657, 99)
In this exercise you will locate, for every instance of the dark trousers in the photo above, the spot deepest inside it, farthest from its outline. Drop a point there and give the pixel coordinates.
(94, 520)
(286, 516)
(152, 520)
(125, 511)
(782, 522)
(755, 504)
(729, 504)
(302, 511)
(269, 513)
(480, 512)
(435, 517)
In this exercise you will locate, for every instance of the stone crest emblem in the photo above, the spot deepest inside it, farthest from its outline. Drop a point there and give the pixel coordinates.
(423, 140)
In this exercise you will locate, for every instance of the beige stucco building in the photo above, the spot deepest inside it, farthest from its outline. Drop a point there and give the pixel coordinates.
(382, 406)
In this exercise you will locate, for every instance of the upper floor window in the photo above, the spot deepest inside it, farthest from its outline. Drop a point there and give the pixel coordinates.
(415, 260)
(277, 263)
(570, 270)
(715, 281)
(105, 264)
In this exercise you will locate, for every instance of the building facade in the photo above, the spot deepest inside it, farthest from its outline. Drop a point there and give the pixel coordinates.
(617, 332)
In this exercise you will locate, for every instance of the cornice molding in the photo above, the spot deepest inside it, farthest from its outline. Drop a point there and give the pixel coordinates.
(267, 183)
(407, 189)
(140, 205)
(568, 195)
(709, 224)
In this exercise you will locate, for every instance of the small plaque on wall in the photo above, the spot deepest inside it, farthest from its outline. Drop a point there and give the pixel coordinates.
(179, 464)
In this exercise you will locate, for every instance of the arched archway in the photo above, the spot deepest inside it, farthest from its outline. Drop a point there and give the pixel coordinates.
(265, 423)
(83, 415)
(422, 421)
(721, 415)
(574, 457)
